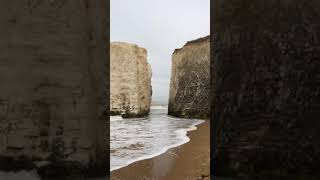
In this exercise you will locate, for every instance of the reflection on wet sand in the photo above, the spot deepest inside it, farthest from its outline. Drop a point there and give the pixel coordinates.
(161, 167)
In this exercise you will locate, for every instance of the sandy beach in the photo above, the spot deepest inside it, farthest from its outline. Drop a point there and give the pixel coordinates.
(188, 161)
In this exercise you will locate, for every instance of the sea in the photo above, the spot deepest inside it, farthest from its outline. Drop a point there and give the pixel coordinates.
(135, 139)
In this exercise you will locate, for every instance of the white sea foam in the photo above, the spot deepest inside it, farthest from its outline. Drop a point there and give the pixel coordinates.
(137, 139)
(115, 118)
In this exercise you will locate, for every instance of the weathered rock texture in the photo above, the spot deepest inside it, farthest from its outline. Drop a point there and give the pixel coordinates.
(265, 89)
(190, 80)
(53, 95)
(130, 88)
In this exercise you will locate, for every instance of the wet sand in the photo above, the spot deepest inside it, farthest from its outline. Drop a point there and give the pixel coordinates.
(189, 161)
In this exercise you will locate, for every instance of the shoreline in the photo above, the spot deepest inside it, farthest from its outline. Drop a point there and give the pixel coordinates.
(167, 148)
(188, 160)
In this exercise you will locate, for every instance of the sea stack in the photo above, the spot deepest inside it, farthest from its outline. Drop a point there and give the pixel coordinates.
(190, 80)
(53, 95)
(130, 88)
(265, 89)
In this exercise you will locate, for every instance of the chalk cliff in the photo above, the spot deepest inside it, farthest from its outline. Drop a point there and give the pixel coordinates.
(53, 95)
(265, 89)
(130, 88)
(190, 80)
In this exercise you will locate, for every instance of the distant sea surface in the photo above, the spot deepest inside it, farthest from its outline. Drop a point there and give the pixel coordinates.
(136, 139)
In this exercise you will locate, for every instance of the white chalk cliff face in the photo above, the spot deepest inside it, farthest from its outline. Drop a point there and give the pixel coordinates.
(190, 80)
(130, 80)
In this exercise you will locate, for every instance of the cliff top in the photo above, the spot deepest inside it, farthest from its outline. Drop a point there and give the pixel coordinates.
(189, 43)
(125, 44)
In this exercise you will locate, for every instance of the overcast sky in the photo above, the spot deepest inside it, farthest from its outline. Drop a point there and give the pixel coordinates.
(160, 26)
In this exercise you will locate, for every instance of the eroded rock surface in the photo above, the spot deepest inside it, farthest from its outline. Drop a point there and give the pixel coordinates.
(53, 95)
(190, 80)
(130, 88)
(266, 84)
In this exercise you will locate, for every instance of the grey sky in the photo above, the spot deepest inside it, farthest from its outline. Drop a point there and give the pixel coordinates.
(160, 26)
